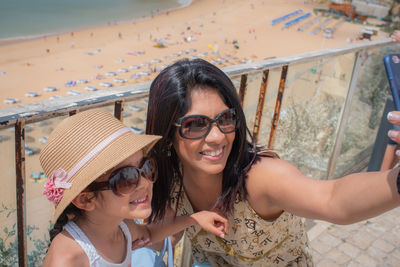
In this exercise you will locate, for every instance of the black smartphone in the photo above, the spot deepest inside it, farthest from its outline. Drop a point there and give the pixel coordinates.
(392, 66)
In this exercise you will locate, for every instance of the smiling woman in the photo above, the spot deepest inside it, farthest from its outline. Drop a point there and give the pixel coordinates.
(206, 162)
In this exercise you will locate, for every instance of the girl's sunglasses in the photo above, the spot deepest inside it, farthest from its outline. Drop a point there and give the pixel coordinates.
(198, 126)
(126, 179)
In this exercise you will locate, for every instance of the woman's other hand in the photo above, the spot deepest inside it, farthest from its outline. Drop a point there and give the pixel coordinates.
(396, 36)
(394, 134)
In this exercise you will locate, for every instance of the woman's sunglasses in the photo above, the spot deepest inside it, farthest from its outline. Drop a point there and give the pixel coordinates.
(198, 126)
(125, 180)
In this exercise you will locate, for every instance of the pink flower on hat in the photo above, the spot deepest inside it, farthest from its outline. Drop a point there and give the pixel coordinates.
(55, 186)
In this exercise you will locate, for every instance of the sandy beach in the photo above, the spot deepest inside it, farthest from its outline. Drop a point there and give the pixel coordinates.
(231, 31)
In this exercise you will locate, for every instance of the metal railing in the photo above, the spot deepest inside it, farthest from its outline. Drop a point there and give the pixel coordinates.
(289, 70)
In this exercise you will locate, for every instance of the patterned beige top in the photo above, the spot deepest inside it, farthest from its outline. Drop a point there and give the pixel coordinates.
(251, 240)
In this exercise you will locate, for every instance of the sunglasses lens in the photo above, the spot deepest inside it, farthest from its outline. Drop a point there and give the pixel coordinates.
(195, 127)
(126, 180)
(149, 170)
(227, 122)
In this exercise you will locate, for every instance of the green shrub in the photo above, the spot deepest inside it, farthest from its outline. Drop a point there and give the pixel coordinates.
(9, 243)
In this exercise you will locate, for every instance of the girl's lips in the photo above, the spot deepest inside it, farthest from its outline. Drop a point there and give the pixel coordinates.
(140, 201)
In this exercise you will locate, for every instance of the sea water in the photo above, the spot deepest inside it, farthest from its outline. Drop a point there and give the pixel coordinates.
(34, 18)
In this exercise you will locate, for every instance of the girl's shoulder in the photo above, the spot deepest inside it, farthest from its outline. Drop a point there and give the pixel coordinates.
(65, 251)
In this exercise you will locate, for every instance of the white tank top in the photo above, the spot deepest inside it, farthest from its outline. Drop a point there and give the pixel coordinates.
(94, 258)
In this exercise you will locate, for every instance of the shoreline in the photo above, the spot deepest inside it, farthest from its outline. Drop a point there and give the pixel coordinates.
(26, 38)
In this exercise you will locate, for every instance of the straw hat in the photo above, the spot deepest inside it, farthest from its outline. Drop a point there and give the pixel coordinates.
(83, 147)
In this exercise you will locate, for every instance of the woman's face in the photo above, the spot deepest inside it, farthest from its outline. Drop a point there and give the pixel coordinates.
(210, 153)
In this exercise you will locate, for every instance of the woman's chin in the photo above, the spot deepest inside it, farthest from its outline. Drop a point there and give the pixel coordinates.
(214, 170)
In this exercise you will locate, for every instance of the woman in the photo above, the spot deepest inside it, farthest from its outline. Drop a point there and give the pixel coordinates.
(206, 162)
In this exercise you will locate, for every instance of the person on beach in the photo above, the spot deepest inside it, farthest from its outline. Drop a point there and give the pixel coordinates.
(206, 162)
(100, 179)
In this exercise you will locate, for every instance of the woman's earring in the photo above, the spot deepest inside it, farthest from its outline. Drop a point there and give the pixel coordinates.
(169, 150)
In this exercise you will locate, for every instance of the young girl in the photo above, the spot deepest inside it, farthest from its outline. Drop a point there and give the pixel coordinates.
(98, 175)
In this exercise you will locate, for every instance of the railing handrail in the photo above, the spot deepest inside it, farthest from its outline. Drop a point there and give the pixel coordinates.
(34, 111)
(248, 68)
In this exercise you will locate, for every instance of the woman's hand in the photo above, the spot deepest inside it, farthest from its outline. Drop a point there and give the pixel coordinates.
(394, 118)
(396, 36)
(211, 222)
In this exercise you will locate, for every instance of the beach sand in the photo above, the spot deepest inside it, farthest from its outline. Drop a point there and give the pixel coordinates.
(88, 54)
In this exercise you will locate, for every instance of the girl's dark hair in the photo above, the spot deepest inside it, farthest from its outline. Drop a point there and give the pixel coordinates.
(169, 99)
(70, 211)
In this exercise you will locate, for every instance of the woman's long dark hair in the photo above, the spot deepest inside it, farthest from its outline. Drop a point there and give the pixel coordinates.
(169, 99)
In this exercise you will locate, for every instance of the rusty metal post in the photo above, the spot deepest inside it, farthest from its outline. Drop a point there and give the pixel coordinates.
(242, 88)
(20, 184)
(119, 109)
(278, 105)
(260, 106)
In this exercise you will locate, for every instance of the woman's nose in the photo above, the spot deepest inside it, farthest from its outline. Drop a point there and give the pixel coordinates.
(215, 134)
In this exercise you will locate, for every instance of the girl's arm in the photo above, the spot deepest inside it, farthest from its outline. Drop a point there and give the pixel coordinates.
(149, 234)
(345, 200)
(208, 220)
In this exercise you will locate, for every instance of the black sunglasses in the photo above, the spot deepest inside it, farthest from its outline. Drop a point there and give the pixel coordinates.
(198, 126)
(125, 180)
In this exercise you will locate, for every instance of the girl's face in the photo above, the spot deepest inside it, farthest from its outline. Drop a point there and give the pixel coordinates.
(209, 154)
(133, 205)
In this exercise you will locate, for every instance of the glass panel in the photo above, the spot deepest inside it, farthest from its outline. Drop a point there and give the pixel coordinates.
(366, 110)
(135, 113)
(39, 210)
(236, 83)
(313, 101)
(8, 201)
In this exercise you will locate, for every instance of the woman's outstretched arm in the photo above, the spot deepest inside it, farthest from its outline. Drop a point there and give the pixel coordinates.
(346, 200)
